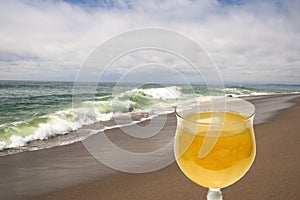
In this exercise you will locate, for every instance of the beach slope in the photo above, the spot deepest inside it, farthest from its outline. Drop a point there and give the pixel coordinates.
(71, 173)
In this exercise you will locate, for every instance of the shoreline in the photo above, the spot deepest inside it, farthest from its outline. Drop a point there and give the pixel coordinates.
(69, 171)
(137, 117)
(78, 135)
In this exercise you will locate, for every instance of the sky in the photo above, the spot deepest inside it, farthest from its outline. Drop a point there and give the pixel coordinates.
(249, 41)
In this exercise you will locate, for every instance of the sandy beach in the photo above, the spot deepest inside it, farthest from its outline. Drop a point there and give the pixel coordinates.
(70, 172)
(145, 100)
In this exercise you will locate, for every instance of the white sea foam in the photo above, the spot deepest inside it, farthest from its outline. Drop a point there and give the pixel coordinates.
(88, 112)
(2, 145)
(16, 141)
(260, 93)
(243, 92)
(172, 92)
(59, 123)
(157, 101)
(64, 122)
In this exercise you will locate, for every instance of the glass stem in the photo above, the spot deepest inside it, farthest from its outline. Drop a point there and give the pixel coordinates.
(214, 194)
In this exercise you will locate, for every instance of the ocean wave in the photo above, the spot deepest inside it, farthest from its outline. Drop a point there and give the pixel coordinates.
(61, 122)
(172, 92)
(50, 117)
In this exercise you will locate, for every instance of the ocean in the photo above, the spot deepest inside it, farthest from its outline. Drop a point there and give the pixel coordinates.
(34, 113)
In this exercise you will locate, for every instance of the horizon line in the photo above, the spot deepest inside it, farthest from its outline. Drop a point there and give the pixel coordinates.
(167, 83)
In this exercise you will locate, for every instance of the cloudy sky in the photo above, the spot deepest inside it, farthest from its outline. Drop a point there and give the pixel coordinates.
(250, 41)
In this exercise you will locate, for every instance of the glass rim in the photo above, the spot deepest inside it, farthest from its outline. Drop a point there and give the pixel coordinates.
(222, 123)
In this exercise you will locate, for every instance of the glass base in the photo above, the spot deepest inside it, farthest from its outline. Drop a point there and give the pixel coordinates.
(214, 194)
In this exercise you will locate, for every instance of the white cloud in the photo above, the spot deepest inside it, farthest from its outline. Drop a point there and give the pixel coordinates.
(257, 41)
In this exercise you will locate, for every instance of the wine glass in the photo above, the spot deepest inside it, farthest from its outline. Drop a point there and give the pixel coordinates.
(214, 142)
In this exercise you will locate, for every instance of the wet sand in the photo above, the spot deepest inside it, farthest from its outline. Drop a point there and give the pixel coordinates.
(69, 172)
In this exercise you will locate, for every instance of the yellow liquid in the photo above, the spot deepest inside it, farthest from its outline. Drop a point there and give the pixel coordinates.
(224, 162)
